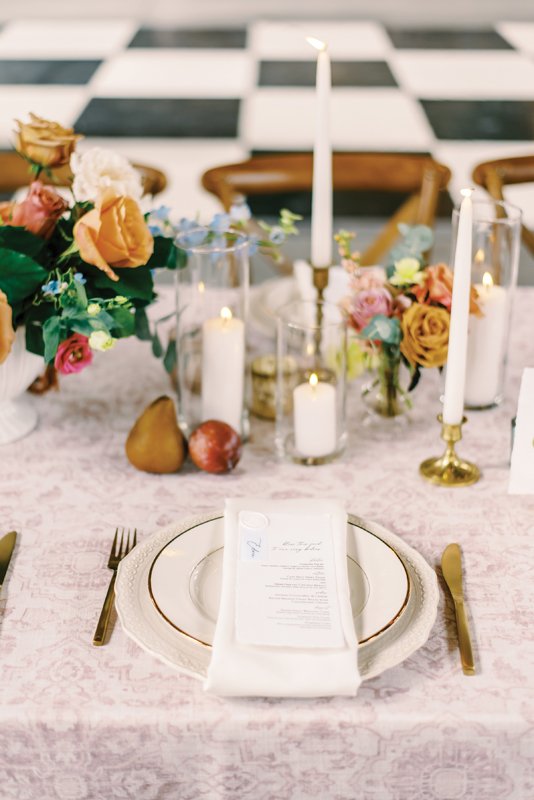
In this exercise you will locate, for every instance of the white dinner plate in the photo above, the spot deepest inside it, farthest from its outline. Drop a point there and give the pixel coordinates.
(185, 581)
(394, 594)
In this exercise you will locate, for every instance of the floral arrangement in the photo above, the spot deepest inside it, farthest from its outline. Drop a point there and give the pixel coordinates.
(400, 312)
(76, 271)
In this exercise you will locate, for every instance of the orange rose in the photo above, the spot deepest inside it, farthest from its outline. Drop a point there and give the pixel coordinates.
(39, 211)
(437, 288)
(7, 334)
(425, 335)
(46, 143)
(114, 234)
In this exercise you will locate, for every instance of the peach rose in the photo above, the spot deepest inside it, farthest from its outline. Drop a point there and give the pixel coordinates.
(7, 334)
(46, 143)
(114, 234)
(425, 335)
(39, 211)
(437, 288)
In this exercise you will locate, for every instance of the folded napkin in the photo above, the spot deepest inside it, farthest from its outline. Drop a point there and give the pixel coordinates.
(285, 626)
(522, 466)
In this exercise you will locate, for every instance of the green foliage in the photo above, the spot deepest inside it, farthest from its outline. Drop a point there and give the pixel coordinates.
(20, 275)
(383, 329)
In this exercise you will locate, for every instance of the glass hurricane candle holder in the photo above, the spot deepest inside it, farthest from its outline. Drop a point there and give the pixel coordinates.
(212, 292)
(310, 418)
(496, 239)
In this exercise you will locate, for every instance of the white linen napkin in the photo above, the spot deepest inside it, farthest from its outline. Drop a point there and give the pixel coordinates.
(316, 650)
(522, 466)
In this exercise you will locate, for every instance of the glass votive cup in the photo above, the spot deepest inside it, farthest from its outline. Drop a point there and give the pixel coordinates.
(495, 263)
(212, 295)
(311, 419)
(264, 381)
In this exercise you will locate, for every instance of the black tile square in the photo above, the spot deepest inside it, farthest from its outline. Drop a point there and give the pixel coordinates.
(218, 38)
(344, 73)
(437, 39)
(66, 73)
(470, 120)
(160, 117)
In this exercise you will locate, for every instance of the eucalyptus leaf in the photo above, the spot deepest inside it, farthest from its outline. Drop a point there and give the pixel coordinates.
(383, 329)
(157, 347)
(51, 337)
(169, 360)
(142, 328)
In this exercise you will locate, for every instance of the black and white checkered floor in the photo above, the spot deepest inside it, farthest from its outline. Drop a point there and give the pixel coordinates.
(185, 100)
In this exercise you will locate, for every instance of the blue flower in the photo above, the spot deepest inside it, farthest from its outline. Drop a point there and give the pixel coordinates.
(79, 278)
(277, 235)
(52, 287)
(220, 223)
(187, 224)
(161, 213)
(156, 230)
(252, 245)
(240, 212)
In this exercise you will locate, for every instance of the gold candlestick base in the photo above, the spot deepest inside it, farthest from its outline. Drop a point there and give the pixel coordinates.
(449, 469)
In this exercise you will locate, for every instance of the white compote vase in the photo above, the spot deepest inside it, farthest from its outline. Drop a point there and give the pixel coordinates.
(18, 416)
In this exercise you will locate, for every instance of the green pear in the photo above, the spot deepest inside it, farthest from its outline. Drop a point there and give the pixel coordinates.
(156, 443)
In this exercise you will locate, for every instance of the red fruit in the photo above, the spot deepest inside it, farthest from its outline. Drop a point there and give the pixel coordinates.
(215, 447)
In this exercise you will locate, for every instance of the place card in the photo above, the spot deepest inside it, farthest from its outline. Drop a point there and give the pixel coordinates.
(522, 466)
(286, 590)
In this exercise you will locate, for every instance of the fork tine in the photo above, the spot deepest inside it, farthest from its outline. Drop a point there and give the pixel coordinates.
(135, 537)
(122, 540)
(114, 545)
(127, 550)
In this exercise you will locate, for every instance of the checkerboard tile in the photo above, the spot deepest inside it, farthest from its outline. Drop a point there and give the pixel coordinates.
(192, 98)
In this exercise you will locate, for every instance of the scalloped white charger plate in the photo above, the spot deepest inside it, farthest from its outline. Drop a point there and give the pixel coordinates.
(167, 594)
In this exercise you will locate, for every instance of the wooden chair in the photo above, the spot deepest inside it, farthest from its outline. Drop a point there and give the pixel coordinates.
(494, 175)
(14, 173)
(419, 176)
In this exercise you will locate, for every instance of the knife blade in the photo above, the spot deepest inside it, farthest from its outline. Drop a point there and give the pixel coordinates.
(451, 566)
(7, 545)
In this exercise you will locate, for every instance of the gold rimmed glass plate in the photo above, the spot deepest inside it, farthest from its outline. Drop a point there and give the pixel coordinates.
(184, 581)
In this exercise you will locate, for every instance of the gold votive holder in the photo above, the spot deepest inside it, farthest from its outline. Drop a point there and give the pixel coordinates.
(449, 469)
(264, 383)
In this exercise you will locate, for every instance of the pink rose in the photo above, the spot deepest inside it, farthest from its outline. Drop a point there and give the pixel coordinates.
(73, 355)
(39, 211)
(365, 305)
(368, 278)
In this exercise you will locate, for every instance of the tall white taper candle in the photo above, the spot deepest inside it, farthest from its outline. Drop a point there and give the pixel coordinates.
(453, 405)
(322, 215)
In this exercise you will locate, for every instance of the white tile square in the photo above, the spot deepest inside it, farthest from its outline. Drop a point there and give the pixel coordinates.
(519, 34)
(183, 162)
(175, 73)
(354, 41)
(361, 119)
(72, 39)
(479, 75)
(62, 104)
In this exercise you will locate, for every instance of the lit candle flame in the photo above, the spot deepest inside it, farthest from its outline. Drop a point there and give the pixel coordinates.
(314, 380)
(487, 281)
(226, 313)
(467, 192)
(480, 256)
(317, 43)
(201, 287)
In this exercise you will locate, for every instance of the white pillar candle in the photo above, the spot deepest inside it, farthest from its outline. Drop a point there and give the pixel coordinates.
(453, 404)
(314, 418)
(223, 369)
(322, 216)
(485, 344)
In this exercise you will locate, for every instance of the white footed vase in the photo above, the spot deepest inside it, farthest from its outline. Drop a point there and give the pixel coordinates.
(18, 416)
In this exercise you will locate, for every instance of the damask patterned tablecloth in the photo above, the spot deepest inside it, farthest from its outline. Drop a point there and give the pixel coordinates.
(84, 723)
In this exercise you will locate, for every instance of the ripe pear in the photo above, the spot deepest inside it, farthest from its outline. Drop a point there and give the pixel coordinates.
(156, 443)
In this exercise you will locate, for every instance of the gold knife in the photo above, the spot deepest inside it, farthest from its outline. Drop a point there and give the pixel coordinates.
(451, 565)
(7, 545)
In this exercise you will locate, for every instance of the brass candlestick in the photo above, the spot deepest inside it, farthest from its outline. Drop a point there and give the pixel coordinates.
(320, 281)
(449, 469)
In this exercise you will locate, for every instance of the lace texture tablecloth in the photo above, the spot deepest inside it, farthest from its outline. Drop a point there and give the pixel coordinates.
(85, 723)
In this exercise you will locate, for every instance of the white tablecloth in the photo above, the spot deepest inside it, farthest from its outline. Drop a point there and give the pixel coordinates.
(79, 722)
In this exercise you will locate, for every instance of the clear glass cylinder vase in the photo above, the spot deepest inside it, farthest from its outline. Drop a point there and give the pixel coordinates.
(495, 263)
(212, 297)
(311, 382)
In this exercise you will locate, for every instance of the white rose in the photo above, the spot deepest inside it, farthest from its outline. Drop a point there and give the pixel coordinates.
(97, 170)
(100, 340)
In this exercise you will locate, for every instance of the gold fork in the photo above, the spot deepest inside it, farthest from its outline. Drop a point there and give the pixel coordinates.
(115, 556)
